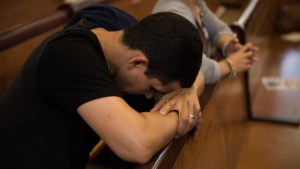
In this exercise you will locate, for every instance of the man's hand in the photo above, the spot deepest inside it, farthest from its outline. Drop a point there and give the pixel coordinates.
(186, 102)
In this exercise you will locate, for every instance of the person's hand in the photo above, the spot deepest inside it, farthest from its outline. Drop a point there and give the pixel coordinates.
(231, 47)
(186, 102)
(244, 57)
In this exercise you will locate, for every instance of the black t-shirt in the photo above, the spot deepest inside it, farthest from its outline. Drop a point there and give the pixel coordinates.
(73, 70)
(39, 125)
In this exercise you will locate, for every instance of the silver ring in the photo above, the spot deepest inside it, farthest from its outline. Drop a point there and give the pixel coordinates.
(191, 116)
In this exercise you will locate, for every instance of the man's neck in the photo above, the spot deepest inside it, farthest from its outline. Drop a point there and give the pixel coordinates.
(112, 47)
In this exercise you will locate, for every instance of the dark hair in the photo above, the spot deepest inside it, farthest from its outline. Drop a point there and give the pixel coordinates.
(172, 45)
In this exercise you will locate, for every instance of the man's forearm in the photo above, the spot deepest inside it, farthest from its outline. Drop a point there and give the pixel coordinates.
(159, 130)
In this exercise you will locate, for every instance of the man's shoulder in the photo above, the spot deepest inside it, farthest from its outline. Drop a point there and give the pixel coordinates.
(104, 16)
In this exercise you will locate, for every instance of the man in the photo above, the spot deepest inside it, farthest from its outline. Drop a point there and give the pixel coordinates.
(69, 93)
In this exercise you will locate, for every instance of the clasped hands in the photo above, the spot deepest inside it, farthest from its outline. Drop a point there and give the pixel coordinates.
(242, 56)
(185, 101)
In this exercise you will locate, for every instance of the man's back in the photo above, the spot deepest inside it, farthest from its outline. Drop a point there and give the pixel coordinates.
(38, 132)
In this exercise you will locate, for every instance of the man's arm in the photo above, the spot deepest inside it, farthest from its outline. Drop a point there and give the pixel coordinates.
(133, 136)
(186, 101)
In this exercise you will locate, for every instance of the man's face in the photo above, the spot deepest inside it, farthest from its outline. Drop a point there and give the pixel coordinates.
(134, 81)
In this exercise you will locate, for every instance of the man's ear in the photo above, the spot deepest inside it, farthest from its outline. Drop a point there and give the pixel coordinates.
(138, 61)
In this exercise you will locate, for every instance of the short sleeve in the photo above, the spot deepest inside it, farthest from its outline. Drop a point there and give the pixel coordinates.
(71, 72)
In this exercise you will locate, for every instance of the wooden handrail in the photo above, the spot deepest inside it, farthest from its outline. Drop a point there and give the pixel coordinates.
(27, 31)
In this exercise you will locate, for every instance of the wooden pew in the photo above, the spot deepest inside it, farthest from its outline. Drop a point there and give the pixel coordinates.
(23, 32)
(239, 28)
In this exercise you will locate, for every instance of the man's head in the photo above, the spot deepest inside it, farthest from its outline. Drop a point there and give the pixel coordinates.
(171, 44)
